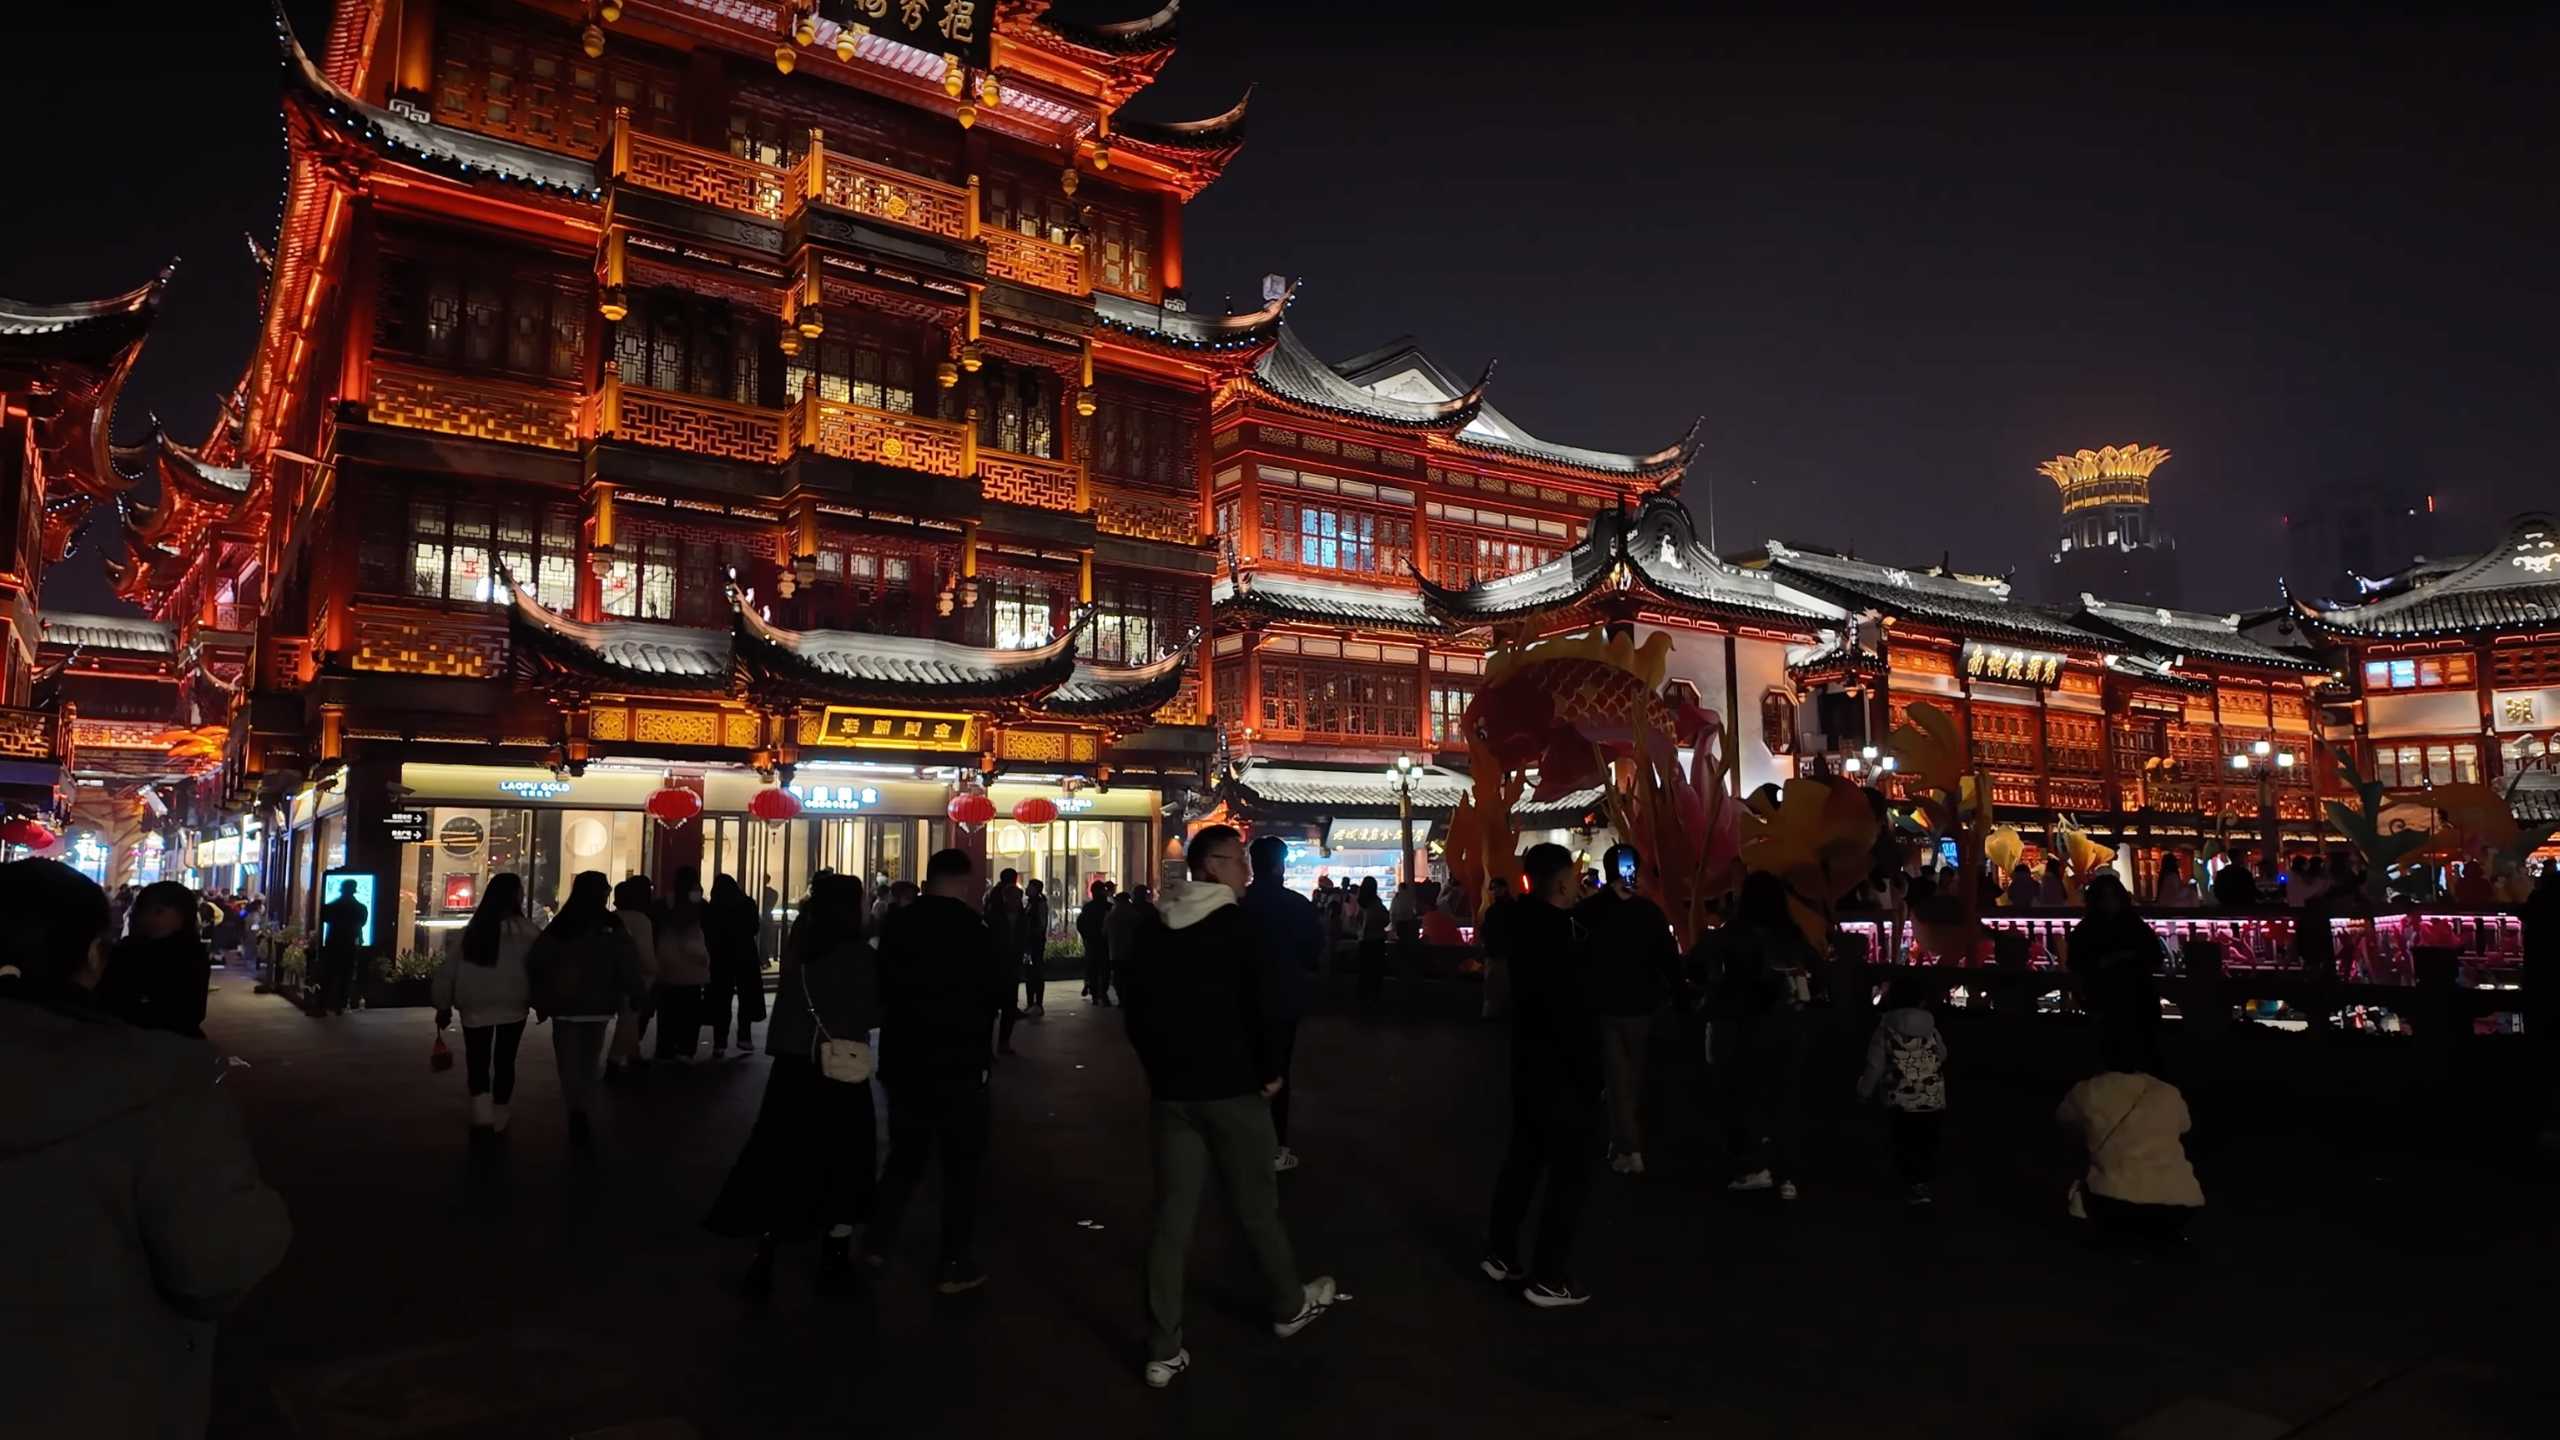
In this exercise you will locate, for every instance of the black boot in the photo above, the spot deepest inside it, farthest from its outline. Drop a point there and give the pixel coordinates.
(835, 1265)
(757, 1283)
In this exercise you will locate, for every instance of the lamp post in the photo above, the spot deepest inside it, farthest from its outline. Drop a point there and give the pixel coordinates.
(1400, 775)
(1869, 766)
(2268, 762)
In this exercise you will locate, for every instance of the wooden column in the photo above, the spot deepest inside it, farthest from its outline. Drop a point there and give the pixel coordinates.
(1733, 714)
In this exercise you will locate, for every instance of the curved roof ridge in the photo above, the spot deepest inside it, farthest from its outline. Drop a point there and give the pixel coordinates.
(1221, 131)
(1151, 32)
(1291, 371)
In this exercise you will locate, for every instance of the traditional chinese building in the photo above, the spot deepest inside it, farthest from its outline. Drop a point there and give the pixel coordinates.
(61, 367)
(2450, 670)
(2110, 543)
(1342, 495)
(713, 396)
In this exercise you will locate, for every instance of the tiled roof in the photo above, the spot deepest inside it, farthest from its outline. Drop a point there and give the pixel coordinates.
(677, 657)
(126, 634)
(898, 668)
(1659, 545)
(1144, 35)
(1284, 597)
(1436, 792)
(1929, 596)
(2188, 632)
(1403, 365)
(1293, 372)
(1222, 131)
(1095, 691)
(429, 146)
(2515, 585)
(89, 331)
(1187, 330)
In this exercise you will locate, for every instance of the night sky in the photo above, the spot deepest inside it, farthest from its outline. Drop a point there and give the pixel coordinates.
(1893, 262)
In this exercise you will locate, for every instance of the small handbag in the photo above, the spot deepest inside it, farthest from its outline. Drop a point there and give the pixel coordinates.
(845, 1061)
(440, 1059)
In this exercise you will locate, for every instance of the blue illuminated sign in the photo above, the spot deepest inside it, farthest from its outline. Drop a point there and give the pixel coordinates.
(836, 799)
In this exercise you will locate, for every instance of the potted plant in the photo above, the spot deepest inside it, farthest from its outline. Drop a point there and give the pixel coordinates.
(403, 979)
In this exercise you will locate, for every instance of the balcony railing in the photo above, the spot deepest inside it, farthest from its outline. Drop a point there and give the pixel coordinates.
(708, 177)
(1030, 260)
(882, 437)
(1030, 480)
(26, 734)
(880, 192)
(483, 408)
(695, 424)
(1146, 517)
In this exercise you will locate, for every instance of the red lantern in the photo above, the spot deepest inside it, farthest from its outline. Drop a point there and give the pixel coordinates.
(775, 805)
(970, 807)
(28, 831)
(1036, 811)
(674, 805)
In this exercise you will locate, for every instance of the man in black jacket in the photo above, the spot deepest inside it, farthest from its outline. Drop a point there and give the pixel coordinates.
(1555, 1084)
(1194, 998)
(1290, 940)
(1634, 965)
(943, 980)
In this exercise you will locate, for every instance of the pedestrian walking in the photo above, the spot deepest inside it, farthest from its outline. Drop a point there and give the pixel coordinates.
(684, 970)
(1493, 937)
(132, 1216)
(807, 1170)
(1132, 911)
(943, 981)
(1035, 948)
(1761, 983)
(1906, 1073)
(1555, 1087)
(634, 907)
(1289, 942)
(1212, 1055)
(1093, 928)
(2024, 892)
(342, 931)
(1635, 965)
(1003, 912)
(483, 976)
(1373, 926)
(733, 935)
(582, 970)
(156, 975)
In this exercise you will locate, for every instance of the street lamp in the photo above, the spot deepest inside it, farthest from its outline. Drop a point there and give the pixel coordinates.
(1400, 775)
(2268, 762)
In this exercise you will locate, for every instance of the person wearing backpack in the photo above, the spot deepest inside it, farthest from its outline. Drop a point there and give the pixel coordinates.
(1906, 1070)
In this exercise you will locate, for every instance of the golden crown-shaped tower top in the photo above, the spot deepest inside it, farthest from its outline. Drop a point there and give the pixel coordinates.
(2110, 475)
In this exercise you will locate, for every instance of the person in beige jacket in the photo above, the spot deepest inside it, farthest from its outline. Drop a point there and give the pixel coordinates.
(2132, 1124)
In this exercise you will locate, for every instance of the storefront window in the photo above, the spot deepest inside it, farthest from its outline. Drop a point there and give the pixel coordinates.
(1066, 856)
(442, 880)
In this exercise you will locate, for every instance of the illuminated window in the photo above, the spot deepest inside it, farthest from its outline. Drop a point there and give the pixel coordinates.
(1449, 701)
(1339, 701)
(687, 345)
(473, 313)
(864, 361)
(434, 548)
(1135, 622)
(1021, 611)
(1018, 410)
(510, 82)
(1329, 537)
(2424, 672)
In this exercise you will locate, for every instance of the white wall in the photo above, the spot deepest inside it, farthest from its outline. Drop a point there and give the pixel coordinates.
(1698, 658)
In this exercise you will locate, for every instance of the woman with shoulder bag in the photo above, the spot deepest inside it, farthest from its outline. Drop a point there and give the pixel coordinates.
(807, 1170)
(483, 976)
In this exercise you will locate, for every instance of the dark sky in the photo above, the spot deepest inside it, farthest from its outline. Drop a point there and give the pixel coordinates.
(1894, 261)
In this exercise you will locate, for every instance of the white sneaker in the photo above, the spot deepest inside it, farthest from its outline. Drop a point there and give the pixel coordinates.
(1635, 1162)
(1787, 1191)
(1320, 1292)
(1285, 1161)
(498, 1118)
(1619, 1165)
(1756, 1180)
(1160, 1373)
(481, 1107)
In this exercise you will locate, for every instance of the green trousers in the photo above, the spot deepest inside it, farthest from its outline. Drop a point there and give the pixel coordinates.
(1235, 1137)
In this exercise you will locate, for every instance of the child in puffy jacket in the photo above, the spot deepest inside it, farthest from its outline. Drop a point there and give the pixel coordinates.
(1906, 1069)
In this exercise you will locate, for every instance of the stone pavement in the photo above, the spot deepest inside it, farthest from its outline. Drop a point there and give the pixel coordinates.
(2340, 1288)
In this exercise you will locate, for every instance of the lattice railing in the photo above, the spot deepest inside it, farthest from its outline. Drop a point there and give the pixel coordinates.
(857, 432)
(1029, 260)
(707, 177)
(884, 193)
(484, 409)
(1146, 517)
(1028, 480)
(698, 425)
(26, 734)
(1185, 707)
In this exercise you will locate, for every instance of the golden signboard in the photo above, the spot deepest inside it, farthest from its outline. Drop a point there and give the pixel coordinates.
(897, 730)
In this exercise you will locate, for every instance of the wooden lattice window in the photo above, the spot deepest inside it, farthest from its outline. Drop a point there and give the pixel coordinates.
(1335, 537)
(482, 312)
(1148, 438)
(535, 85)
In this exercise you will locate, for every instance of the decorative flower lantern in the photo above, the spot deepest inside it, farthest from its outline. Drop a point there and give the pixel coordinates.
(970, 808)
(1037, 811)
(674, 805)
(774, 805)
(28, 831)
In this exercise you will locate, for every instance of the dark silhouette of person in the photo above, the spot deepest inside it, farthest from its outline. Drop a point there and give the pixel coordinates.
(341, 939)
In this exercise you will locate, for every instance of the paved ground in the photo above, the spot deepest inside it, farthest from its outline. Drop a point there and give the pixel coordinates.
(2342, 1286)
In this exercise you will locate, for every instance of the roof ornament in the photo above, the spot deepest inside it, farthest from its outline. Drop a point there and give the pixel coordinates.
(2163, 613)
(1901, 578)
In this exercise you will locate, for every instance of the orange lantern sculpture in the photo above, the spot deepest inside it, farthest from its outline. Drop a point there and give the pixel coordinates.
(774, 806)
(970, 808)
(1037, 811)
(674, 805)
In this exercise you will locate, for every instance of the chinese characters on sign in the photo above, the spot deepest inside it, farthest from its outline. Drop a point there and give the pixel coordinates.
(405, 827)
(897, 730)
(1997, 662)
(937, 27)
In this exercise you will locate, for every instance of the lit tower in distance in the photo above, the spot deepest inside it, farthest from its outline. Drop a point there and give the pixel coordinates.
(2110, 547)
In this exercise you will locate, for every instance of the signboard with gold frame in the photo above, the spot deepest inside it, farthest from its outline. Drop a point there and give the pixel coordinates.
(860, 729)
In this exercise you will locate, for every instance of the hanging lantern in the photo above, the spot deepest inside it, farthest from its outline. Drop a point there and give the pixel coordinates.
(28, 831)
(783, 59)
(785, 586)
(952, 81)
(774, 806)
(970, 808)
(989, 93)
(946, 374)
(1085, 401)
(848, 40)
(610, 10)
(1037, 811)
(1068, 179)
(591, 40)
(1101, 157)
(674, 805)
(971, 357)
(788, 340)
